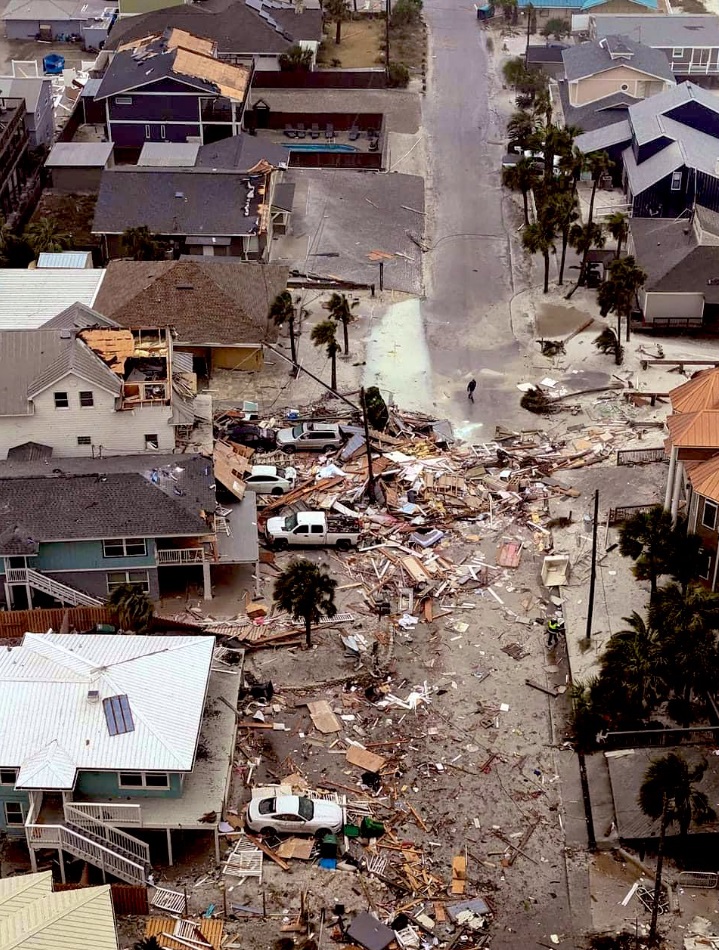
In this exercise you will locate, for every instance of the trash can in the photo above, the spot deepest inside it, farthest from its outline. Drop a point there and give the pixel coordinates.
(328, 846)
(371, 828)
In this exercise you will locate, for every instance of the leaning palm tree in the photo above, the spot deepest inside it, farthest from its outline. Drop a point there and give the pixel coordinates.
(284, 310)
(131, 607)
(521, 177)
(45, 235)
(566, 215)
(540, 237)
(583, 237)
(668, 794)
(325, 334)
(618, 226)
(647, 539)
(634, 665)
(341, 310)
(618, 293)
(307, 593)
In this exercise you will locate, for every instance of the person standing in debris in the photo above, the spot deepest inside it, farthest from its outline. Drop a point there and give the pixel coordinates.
(471, 386)
(554, 628)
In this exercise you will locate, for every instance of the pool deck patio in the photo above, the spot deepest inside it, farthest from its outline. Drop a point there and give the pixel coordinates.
(278, 137)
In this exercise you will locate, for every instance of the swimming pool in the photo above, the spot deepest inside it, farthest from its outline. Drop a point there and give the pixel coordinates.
(317, 147)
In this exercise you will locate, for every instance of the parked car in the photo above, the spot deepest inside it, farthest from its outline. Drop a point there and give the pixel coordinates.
(313, 528)
(310, 437)
(254, 437)
(271, 480)
(294, 814)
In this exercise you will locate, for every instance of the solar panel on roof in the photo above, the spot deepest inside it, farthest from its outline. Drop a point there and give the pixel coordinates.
(118, 715)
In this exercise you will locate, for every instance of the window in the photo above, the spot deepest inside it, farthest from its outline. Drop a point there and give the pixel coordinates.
(13, 814)
(148, 132)
(61, 401)
(123, 100)
(678, 52)
(8, 777)
(151, 441)
(704, 565)
(676, 181)
(117, 579)
(162, 131)
(86, 399)
(709, 515)
(124, 547)
(118, 715)
(84, 440)
(143, 780)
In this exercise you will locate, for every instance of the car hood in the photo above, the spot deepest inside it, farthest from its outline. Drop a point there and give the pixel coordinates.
(275, 525)
(285, 435)
(328, 813)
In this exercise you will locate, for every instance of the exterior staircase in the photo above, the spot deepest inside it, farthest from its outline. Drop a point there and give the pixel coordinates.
(84, 835)
(62, 592)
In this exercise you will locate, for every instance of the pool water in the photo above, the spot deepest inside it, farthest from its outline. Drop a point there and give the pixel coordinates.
(318, 147)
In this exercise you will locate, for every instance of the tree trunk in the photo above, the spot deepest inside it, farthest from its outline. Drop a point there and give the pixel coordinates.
(546, 272)
(346, 336)
(308, 632)
(333, 380)
(525, 199)
(619, 247)
(563, 258)
(583, 266)
(658, 876)
(293, 344)
(338, 32)
(595, 185)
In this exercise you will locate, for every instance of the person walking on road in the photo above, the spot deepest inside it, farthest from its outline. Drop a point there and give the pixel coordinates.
(471, 386)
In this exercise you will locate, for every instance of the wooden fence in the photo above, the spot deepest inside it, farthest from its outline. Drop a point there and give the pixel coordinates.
(618, 515)
(127, 899)
(16, 623)
(640, 456)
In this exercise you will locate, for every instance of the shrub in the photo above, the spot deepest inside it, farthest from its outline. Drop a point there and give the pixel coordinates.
(398, 75)
(405, 12)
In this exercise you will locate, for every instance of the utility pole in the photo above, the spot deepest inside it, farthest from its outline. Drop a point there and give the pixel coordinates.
(370, 471)
(593, 575)
(529, 27)
(388, 14)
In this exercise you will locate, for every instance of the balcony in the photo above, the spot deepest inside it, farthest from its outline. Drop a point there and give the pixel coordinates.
(166, 556)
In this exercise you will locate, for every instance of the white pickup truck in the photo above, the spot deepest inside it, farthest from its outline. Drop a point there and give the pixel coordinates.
(313, 528)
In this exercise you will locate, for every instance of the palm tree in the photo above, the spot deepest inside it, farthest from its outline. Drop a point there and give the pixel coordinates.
(325, 334)
(284, 310)
(618, 293)
(539, 238)
(515, 73)
(140, 244)
(521, 177)
(668, 795)
(295, 58)
(618, 226)
(647, 538)
(543, 106)
(341, 310)
(307, 593)
(520, 126)
(633, 663)
(597, 164)
(338, 11)
(583, 237)
(687, 555)
(691, 612)
(45, 235)
(131, 606)
(566, 215)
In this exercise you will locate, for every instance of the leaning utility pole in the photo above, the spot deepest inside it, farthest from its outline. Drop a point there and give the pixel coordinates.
(593, 575)
(370, 471)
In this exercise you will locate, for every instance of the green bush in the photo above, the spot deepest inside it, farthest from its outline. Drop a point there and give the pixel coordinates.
(398, 75)
(405, 12)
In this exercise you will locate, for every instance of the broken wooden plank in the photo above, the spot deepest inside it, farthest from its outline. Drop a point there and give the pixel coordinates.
(322, 716)
(364, 759)
(550, 691)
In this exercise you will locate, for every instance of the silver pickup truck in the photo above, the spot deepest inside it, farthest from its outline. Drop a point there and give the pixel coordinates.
(313, 529)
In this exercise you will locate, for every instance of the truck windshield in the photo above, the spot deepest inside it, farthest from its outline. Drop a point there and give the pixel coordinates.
(297, 431)
(290, 522)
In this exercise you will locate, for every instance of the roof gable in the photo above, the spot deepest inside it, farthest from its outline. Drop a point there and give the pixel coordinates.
(699, 392)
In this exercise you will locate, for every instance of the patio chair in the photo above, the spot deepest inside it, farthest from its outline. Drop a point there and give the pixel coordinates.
(329, 131)
(290, 132)
(301, 131)
(354, 133)
(315, 131)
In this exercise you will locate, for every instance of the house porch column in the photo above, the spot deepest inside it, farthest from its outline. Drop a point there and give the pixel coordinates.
(670, 477)
(206, 581)
(169, 846)
(677, 490)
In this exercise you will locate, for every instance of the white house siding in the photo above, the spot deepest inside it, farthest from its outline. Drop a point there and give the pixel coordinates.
(662, 305)
(116, 433)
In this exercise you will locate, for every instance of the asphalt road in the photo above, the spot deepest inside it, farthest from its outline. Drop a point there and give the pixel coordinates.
(469, 280)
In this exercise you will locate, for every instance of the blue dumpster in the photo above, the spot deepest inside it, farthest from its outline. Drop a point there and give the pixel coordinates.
(53, 64)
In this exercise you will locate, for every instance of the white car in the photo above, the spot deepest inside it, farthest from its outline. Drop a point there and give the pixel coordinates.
(270, 480)
(310, 437)
(294, 814)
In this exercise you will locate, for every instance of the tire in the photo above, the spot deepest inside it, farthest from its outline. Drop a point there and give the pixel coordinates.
(277, 492)
(287, 448)
(280, 544)
(343, 545)
(328, 448)
(268, 833)
(321, 832)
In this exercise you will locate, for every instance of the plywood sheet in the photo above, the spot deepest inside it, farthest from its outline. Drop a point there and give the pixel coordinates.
(298, 848)
(364, 759)
(323, 718)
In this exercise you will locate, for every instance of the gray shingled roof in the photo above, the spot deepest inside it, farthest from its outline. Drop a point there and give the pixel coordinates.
(124, 497)
(233, 24)
(127, 72)
(647, 116)
(589, 59)
(688, 147)
(30, 360)
(78, 317)
(175, 202)
(674, 261)
(658, 30)
(596, 115)
(241, 152)
(604, 137)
